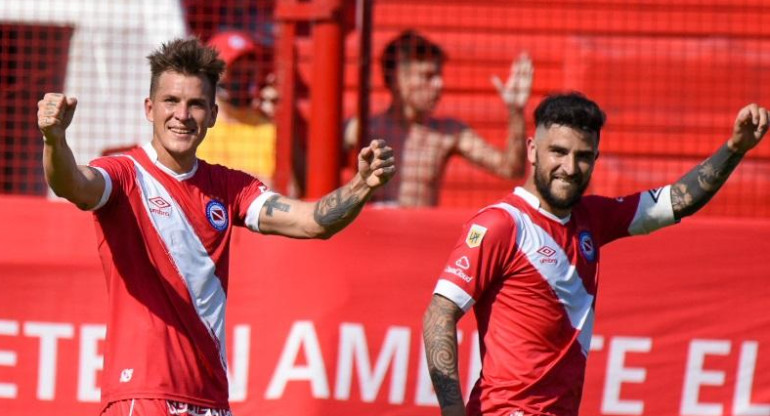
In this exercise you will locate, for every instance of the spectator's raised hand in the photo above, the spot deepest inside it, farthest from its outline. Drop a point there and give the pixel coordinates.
(516, 90)
(54, 115)
(750, 125)
(376, 164)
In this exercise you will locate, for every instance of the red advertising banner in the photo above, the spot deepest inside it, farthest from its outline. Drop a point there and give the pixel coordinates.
(334, 327)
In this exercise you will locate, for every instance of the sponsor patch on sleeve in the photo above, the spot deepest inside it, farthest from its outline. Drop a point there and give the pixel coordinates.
(475, 235)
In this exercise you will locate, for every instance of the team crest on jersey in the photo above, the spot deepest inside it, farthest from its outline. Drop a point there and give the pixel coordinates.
(587, 245)
(475, 235)
(216, 214)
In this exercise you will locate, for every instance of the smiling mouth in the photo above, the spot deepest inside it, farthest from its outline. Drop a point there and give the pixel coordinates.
(181, 131)
(565, 181)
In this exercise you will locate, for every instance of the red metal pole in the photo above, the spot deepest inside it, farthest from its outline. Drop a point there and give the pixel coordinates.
(364, 83)
(286, 112)
(325, 141)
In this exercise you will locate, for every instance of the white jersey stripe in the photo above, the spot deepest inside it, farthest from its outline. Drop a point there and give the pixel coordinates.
(561, 275)
(653, 212)
(190, 258)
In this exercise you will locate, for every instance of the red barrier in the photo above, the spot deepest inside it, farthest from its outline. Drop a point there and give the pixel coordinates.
(333, 327)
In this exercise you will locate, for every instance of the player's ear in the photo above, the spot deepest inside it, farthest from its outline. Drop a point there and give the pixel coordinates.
(214, 113)
(531, 150)
(148, 110)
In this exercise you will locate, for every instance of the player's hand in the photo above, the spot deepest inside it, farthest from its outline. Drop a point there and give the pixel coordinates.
(54, 115)
(750, 125)
(376, 164)
(516, 90)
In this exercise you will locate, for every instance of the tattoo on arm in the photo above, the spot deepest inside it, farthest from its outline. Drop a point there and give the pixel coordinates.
(273, 203)
(697, 187)
(336, 210)
(440, 336)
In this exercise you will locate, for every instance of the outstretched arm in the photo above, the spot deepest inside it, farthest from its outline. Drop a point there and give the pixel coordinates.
(440, 336)
(333, 212)
(515, 93)
(81, 185)
(691, 192)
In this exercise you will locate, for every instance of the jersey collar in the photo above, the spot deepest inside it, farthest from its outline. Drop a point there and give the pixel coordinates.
(153, 155)
(533, 201)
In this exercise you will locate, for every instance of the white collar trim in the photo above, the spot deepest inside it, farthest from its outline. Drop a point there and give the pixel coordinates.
(534, 201)
(153, 155)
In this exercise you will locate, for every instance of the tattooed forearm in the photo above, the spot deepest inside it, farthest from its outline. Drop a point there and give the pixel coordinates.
(697, 187)
(274, 204)
(440, 336)
(447, 389)
(337, 209)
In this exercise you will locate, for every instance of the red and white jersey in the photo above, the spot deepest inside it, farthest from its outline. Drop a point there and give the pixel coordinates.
(532, 279)
(164, 243)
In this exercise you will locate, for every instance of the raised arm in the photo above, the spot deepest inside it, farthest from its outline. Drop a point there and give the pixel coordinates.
(693, 190)
(333, 212)
(439, 332)
(81, 185)
(509, 163)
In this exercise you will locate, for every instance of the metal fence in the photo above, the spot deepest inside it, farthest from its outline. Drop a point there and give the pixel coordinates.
(670, 75)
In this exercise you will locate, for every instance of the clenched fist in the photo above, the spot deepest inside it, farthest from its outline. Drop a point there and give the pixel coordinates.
(54, 115)
(376, 164)
(750, 126)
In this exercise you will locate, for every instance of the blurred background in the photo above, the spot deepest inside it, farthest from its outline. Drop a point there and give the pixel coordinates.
(670, 75)
(303, 89)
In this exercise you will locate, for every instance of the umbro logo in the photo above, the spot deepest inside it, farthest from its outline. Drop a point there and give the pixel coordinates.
(160, 202)
(655, 194)
(547, 253)
(160, 206)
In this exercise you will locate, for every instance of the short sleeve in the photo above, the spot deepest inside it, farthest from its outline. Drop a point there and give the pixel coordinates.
(118, 173)
(249, 195)
(480, 256)
(635, 214)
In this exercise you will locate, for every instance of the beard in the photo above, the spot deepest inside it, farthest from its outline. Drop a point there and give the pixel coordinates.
(543, 185)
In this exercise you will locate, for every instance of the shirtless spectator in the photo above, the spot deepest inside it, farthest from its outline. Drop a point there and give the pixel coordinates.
(412, 67)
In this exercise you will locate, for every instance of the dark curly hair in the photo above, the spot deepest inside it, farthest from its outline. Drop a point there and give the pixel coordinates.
(570, 109)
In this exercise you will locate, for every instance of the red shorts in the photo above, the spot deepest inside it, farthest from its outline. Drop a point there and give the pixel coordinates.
(159, 407)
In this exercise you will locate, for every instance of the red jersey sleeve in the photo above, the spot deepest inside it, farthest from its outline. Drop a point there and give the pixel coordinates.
(119, 174)
(639, 213)
(246, 193)
(485, 247)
